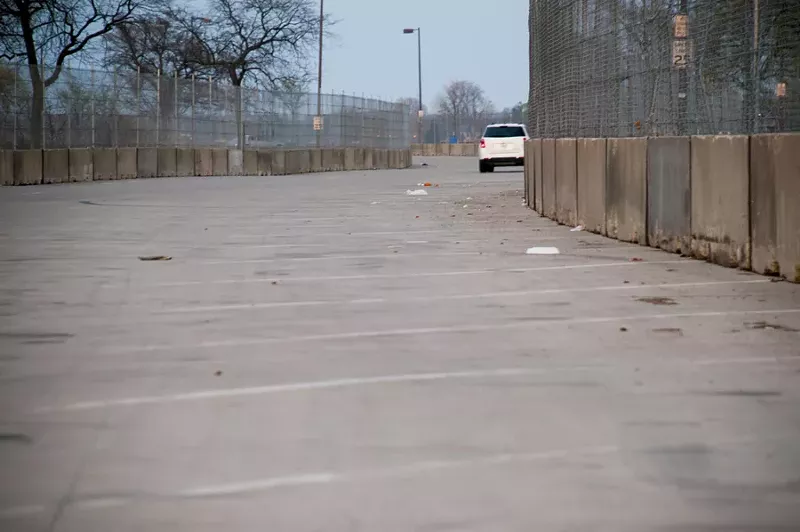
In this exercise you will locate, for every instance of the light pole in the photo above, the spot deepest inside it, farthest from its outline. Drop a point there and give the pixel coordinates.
(318, 120)
(419, 66)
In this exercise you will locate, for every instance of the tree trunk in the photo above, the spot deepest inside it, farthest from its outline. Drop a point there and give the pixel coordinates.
(37, 108)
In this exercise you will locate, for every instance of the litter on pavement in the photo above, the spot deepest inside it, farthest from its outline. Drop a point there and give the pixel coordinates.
(418, 192)
(542, 251)
(578, 228)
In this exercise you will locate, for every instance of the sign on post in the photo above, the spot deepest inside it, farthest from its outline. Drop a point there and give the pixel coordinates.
(681, 53)
(317, 123)
(681, 26)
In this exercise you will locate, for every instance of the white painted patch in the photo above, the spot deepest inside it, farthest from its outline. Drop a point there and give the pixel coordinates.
(440, 330)
(418, 192)
(542, 251)
(431, 274)
(314, 385)
(417, 242)
(456, 297)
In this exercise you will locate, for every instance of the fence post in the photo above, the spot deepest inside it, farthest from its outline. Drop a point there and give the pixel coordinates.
(92, 106)
(138, 101)
(116, 111)
(193, 104)
(177, 127)
(158, 107)
(16, 105)
(44, 111)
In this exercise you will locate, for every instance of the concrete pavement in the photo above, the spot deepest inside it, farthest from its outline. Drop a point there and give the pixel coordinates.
(324, 352)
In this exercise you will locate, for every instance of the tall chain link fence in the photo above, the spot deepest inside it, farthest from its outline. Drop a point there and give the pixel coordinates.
(86, 108)
(607, 68)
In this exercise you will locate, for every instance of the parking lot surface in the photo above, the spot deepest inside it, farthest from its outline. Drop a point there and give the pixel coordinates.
(325, 352)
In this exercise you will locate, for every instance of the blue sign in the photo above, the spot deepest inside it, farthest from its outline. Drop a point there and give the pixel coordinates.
(453, 140)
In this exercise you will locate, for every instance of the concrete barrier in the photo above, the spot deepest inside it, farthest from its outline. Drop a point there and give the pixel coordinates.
(55, 166)
(669, 194)
(28, 167)
(567, 181)
(350, 159)
(720, 200)
(429, 150)
(369, 159)
(235, 162)
(591, 177)
(146, 162)
(250, 162)
(184, 162)
(264, 162)
(203, 162)
(457, 150)
(416, 150)
(775, 207)
(126, 163)
(167, 162)
(443, 150)
(626, 189)
(529, 174)
(219, 162)
(105, 162)
(298, 162)
(278, 162)
(549, 178)
(537, 176)
(316, 160)
(6, 167)
(81, 164)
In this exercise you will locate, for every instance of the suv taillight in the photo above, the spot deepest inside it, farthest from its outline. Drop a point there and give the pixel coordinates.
(483, 143)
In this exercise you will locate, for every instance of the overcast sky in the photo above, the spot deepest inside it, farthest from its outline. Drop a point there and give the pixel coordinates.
(476, 40)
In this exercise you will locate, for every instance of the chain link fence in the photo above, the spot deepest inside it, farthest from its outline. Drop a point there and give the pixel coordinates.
(607, 68)
(94, 108)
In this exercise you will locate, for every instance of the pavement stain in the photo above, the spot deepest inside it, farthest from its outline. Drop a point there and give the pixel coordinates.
(742, 393)
(764, 326)
(662, 301)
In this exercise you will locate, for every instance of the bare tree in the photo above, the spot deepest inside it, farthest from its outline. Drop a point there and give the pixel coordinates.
(465, 103)
(51, 31)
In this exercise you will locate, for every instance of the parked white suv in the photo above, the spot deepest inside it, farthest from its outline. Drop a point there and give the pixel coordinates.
(502, 145)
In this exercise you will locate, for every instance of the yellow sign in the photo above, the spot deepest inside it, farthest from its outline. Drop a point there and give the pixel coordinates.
(681, 26)
(780, 90)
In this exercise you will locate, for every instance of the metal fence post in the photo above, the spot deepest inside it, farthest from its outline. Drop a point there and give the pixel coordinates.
(44, 111)
(193, 104)
(177, 127)
(138, 101)
(116, 111)
(92, 107)
(16, 106)
(158, 107)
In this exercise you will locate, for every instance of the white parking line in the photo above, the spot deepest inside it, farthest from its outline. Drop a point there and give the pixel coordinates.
(314, 385)
(457, 297)
(549, 321)
(426, 274)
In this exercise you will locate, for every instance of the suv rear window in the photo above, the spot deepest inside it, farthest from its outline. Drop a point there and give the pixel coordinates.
(500, 132)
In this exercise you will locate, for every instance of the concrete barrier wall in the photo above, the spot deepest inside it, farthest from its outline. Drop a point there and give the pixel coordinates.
(33, 167)
(81, 164)
(55, 166)
(184, 162)
(549, 178)
(146, 162)
(775, 204)
(669, 195)
(167, 162)
(730, 200)
(203, 162)
(28, 167)
(591, 178)
(445, 150)
(626, 189)
(6, 167)
(529, 174)
(720, 200)
(567, 181)
(537, 175)
(235, 162)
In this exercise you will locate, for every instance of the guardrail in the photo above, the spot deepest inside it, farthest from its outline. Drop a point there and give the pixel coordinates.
(34, 167)
(730, 200)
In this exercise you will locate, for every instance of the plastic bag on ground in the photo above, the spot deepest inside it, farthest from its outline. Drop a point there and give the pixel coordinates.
(542, 251)
(418, 192)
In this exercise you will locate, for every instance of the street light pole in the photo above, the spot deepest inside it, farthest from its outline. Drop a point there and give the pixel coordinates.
(319, 75)
(419, 66)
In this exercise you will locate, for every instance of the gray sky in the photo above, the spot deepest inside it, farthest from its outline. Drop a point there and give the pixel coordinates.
(475, 40)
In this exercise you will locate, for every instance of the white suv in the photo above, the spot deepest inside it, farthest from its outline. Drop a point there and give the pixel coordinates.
(502, 145)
